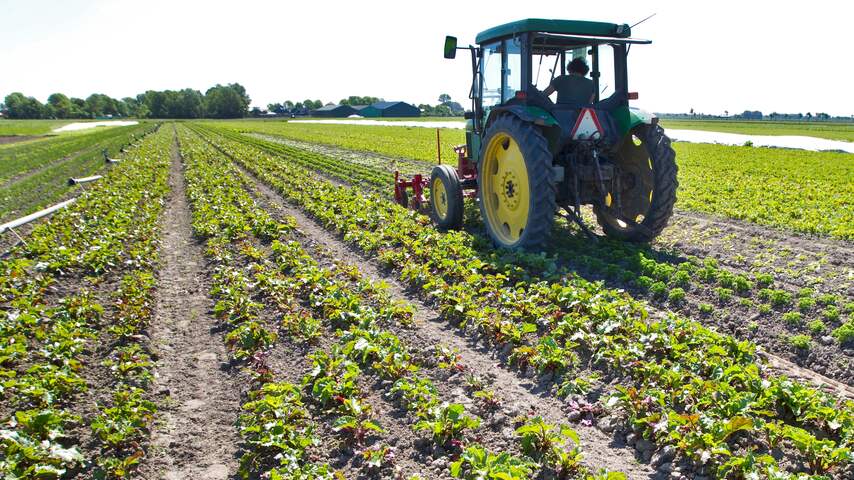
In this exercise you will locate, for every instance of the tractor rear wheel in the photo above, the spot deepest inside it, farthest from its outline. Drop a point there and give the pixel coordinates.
(647, 167)
(516, 185)
(446, 197)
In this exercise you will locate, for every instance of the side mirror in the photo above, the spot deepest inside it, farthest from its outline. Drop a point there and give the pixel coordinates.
(468, 115)
(450, 47)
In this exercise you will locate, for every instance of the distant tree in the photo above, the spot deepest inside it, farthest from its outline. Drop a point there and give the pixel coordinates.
(191, 104)
(228, 101)
(442, 111)
(356, 100)
(809, 115)
(299, 106)
(316, 104)
(692, 111)
(454, 107)
(256, 112)
(288, 104)
(20, 107)
(444, 98)
(61, 106)
(726, 113)
(79, 107)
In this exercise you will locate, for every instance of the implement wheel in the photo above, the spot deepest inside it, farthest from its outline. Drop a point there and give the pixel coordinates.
(446, 197)
(515, 185)
(647, 167)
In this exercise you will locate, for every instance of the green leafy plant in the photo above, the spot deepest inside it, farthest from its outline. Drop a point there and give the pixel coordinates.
(446, 422)
(477, 463)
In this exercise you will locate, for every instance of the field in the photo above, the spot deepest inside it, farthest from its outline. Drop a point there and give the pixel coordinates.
(35, 174)
(780, 188)
(828, 130)
(244, 300)
(10, 128)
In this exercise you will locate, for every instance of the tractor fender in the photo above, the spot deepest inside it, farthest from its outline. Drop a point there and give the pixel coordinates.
(529, 113)
(628, 118)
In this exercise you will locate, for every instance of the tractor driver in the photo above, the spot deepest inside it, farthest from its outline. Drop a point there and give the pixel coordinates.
(574, 88)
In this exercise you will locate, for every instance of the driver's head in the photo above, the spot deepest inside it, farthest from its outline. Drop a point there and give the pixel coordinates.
(579, 66)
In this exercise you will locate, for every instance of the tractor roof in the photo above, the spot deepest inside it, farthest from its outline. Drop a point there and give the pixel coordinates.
(568, 27)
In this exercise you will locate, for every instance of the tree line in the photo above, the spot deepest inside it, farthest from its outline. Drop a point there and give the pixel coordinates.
(219, 101)
(293, 107)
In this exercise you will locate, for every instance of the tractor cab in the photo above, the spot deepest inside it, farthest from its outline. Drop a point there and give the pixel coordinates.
(515, 63)
(529, 155)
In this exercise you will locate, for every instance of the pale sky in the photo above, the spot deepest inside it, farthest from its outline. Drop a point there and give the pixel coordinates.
(785, 56)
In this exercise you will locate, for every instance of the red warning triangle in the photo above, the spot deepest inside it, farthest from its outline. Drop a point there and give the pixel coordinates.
(587, 127)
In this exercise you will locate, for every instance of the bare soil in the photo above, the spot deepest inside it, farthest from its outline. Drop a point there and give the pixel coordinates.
(5, 139)
(194, 436)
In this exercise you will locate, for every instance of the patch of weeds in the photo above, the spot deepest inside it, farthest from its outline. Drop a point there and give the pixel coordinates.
(793, 318)
(805, 304)
(816, 327)
(676, 295)
(724, 294)
(801, 342)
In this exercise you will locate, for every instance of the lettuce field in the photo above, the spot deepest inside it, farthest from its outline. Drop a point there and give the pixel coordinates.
(244, 300)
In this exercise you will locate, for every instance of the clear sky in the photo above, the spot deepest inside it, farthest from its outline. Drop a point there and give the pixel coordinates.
(785, 56)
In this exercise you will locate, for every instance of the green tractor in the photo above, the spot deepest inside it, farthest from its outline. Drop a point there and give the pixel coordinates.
(527, 156)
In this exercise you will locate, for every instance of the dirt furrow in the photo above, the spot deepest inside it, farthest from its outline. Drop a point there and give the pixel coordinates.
(195, 435)
(523, 395)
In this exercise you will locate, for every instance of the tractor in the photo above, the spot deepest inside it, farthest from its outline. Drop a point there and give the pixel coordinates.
(528, 158)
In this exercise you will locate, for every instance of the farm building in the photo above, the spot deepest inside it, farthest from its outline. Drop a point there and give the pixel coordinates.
(396, 109)
(367, 110)
(334, 111)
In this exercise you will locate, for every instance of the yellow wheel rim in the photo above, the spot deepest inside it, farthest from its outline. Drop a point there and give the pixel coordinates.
(505, 190)
(440, 198)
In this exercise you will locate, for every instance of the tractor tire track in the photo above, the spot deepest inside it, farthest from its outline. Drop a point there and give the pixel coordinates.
(194, 436)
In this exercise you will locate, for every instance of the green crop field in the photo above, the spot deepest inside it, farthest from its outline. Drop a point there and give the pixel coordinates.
(828, 130)
(29, 127)
(809, 192)
(35, 174)
(339, 335)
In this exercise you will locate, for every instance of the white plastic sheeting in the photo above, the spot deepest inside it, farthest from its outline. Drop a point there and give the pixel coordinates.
(71, 127)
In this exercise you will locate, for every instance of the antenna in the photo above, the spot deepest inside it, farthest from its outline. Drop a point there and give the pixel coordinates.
(645, 19)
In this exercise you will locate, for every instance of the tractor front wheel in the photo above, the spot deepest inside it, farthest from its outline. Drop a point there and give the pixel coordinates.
(516, 185)
(646, 165)
(446, 197)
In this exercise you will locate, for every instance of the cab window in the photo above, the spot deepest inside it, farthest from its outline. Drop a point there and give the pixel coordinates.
(512, 69)
(491, 75)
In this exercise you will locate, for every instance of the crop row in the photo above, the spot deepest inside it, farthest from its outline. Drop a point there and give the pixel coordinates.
(54, 318)
(377, 177)
(404, 142)
(47, 183)
(17, 159)
(313, 300)
(405, 166)
(682, 384)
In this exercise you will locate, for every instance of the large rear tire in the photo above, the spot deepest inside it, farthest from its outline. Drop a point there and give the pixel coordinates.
(516, 185)
(446, 197)
(647, 164)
